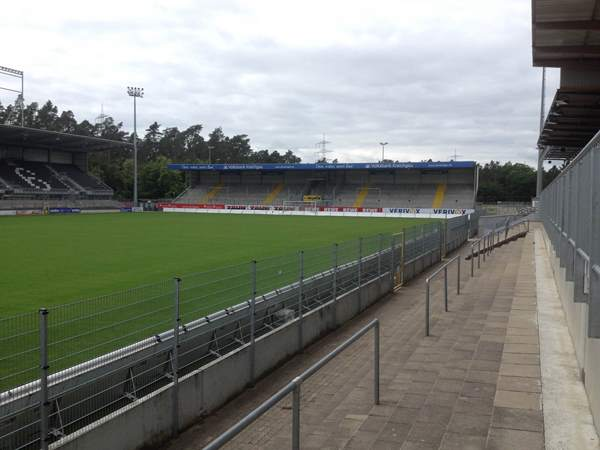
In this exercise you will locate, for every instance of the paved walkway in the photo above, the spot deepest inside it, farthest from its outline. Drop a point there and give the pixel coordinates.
(474, 383)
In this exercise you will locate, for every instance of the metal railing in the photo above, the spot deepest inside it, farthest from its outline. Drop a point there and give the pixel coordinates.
(294, 387)
(443, 268)
(493, 238)
(570, 211)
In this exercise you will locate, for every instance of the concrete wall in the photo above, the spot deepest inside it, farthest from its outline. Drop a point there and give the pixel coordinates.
(587, 349)
(148, 421)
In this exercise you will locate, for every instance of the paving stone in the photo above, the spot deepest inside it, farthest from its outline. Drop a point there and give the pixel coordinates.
(425, 432)
(469, 424)
(520, 400)
(503, 439)
(405, 415)
(520, 370)
(518, 419)
(455, 441)
(520, 384)
(471, 389)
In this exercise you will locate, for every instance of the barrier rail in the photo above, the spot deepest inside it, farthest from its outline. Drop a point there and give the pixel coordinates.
(522, 227)
(427, 287)
(294, 387)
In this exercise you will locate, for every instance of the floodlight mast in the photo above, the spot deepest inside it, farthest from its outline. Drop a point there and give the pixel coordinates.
(135, 92)
(21, 98)
(383, 144)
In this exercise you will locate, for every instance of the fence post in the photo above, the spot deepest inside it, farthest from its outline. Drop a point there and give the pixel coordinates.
(472, 261)
(300, 300)
(253, 324)
(485, 250)
(379, 255)
(360, 250)
(175, 359)
(479, 254)
(426, 307)
(446, 288)
(403, 258)
(334, 288)
(458, 276)
(376, 363)
(44, 378)
(392, 262)
(296, 414)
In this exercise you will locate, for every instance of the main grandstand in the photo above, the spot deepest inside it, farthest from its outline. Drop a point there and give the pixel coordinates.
(426, 185)
(46, 169)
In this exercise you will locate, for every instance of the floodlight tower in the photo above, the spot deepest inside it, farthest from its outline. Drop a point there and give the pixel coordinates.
(7, 71)
(135, 92)
(383, 144)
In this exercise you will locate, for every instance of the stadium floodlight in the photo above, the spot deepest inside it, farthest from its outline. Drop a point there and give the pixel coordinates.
(383, 144)
(7, 71)
(135, 92)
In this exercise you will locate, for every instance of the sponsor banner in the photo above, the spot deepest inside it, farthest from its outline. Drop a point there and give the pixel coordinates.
(326, 166)
(312, 198)
(430, 211)
(190, 206)
(64, 210)
(125, 209)
(10, 212)
(29, 212)
(446, 212)
(137, 209)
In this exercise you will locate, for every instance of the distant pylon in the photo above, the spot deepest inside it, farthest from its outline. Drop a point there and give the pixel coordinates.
(322, 146)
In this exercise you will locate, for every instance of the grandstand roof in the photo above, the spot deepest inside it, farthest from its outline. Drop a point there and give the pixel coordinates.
(566, 34)
(573, 119)
(53, 140)
(325, 166)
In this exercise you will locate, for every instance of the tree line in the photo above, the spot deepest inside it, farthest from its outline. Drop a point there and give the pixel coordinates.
(160, 146)
(510, 182)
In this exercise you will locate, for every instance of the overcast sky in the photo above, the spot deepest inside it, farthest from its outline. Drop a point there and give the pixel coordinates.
(430, 77)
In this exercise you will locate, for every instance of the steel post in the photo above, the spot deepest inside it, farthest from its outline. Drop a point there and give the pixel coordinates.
(300, 301)
(402, 257)
(376, 343)
(175, 359)
(479, 254)
(458, 276)
(252, 362)
(472, 261)
(334, 287)
(427, 308)
(296, 414)
(360, 250)
(392, 263)
(446, 288)
(44, 368)
(379, 255)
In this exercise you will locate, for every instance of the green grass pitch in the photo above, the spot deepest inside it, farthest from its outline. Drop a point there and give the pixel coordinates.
(51, 260)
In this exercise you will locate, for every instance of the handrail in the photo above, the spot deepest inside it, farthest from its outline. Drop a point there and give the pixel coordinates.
(294, 387)
(488, 242)
(427, 290)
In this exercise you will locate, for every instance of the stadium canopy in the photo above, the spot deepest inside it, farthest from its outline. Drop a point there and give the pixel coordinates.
(566, 35)
(15, 136)
(325, 166)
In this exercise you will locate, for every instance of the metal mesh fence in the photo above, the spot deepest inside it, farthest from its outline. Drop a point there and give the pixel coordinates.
(100, 354)
(570, 210)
